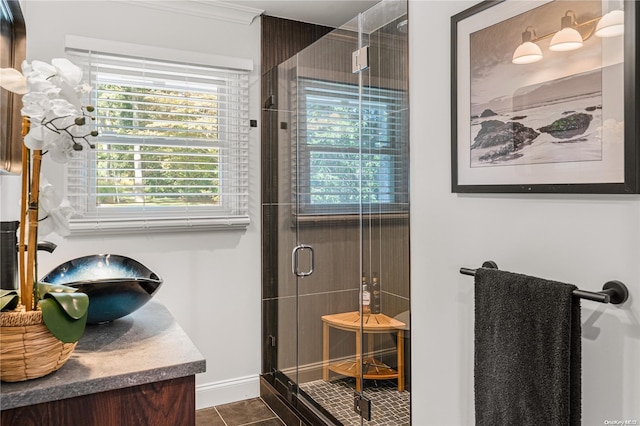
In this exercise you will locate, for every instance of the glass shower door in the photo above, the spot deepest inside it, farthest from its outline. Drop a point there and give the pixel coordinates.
(328, 221)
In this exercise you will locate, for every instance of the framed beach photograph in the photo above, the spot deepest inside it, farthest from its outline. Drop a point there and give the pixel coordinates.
(545, 97)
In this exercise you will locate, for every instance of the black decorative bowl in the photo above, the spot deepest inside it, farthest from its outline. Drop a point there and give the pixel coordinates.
(116, 285)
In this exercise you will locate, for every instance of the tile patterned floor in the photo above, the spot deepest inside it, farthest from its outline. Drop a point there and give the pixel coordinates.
(252, 412)
(388, 406)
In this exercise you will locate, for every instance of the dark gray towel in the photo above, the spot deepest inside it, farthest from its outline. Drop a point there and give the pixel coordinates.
(527, 351)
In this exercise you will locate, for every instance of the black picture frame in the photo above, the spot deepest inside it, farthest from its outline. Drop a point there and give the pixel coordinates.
(467, 168)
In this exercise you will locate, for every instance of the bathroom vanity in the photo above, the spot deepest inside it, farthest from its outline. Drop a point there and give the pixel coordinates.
(136, 370)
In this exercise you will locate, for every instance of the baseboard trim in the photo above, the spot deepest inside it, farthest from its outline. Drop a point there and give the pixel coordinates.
(226, 391)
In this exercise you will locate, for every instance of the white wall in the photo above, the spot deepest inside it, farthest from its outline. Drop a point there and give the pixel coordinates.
(583, 239)
(577, 238)
(212, 280)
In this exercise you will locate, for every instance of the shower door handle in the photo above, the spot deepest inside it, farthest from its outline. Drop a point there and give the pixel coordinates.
(294, 260)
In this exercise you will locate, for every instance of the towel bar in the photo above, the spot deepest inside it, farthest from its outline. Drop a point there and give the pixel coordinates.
(614, 292)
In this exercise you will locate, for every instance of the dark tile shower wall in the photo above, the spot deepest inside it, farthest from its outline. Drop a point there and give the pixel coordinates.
(283, 38)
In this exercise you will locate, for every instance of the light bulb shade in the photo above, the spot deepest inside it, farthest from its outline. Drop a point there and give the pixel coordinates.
(566, 39)
(611, 24)
(527, 53)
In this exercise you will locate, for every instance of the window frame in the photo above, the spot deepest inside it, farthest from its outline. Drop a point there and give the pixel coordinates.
(139, 218)
(301, 188)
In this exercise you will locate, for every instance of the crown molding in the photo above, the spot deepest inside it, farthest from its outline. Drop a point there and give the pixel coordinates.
(210, 9)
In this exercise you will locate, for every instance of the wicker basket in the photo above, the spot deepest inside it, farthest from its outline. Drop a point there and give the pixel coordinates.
(28, 350)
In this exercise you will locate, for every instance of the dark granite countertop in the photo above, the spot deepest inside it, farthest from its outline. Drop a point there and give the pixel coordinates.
(144, 347)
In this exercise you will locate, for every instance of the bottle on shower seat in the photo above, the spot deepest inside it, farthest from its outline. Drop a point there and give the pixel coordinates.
(365, 296)
(375, 294)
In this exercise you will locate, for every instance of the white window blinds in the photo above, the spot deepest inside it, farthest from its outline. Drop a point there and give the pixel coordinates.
(172, 150)
(336, 171)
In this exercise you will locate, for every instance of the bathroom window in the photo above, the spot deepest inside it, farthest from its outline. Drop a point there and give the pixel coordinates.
(336, 172)
(172, 150)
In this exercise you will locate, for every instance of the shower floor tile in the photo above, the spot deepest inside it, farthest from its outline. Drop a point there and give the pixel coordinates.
(388, 406)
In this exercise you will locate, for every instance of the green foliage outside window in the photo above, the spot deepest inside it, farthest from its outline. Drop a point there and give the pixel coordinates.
(341, 171)
(155, 147)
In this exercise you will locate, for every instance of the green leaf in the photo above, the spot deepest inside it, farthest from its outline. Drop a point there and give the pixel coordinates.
(8, 299)
(61, 325)
(64, 310)
(44, 288)
(75, 305)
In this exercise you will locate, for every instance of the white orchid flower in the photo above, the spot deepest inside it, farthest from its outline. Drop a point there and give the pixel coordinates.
(64, 76)
(68, 71)
(70, 94)
(83, 89)
(43, 77)
(62, 151)
(35, 137)
(43, 68)
(58, 126)
(54, 107)
(26, 67)
(57, 220)
(63, 108)
(53, 211)
(35, 105)
(37, 82)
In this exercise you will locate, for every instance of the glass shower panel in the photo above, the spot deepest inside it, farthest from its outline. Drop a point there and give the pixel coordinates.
(385, 199)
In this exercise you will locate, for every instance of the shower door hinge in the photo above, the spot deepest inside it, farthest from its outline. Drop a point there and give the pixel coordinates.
(292, 390)
(360, 60)
(270, 102)
(362, 406)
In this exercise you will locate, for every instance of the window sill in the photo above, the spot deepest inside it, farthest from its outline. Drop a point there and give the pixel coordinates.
(81, 227)
(350, 219)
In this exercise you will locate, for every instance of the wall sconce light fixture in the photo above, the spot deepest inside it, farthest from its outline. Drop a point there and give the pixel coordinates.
(528, 52)
(568, 38)
(611, 24)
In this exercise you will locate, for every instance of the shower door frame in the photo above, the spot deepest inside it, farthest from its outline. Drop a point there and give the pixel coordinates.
(286, 384)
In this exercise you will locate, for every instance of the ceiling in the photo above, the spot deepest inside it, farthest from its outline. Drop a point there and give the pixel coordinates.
(332, 13)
